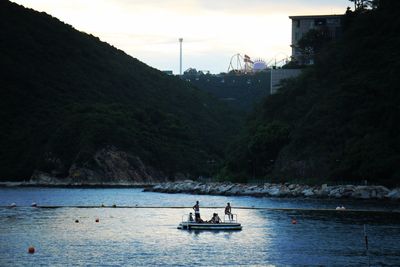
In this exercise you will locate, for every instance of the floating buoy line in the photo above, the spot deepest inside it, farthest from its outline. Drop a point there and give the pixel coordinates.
(114, 206)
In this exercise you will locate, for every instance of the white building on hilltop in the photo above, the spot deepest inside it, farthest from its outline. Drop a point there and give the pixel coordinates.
(302, 24)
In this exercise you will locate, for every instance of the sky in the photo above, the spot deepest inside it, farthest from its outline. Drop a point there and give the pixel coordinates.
(212, 30)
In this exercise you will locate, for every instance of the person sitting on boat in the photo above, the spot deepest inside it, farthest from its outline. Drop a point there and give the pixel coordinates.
(196, 209)
(215, 218)
(191, 217)
(228, 211)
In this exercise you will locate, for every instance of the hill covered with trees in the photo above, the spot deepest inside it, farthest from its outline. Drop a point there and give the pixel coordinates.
(240, 91)
(72, 106)
(340, 120)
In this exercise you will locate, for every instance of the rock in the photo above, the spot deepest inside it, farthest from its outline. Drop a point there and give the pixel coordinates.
(258, 191)
(222, 189)
(273, 191)
(198, 188)
(394, 194)
(362, 192)
(297, 191)
(381, 192)
(370, 192)
(43, 178)
(284, 191)
(347, 191)
(325, 190)
(108, 166)
(248, 190)
(234, 190)
(291, 186)
(308, 192)
(335, 192)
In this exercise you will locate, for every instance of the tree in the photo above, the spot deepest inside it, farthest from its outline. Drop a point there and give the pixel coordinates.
(364, 4)
(312, 42)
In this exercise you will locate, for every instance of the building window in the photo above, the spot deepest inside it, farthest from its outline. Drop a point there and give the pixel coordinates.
(333, 21)
(320, 22)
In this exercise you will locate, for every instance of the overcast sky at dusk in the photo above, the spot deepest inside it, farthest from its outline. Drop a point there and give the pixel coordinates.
(212, 30)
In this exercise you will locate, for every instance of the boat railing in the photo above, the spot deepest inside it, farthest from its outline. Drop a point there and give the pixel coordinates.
(231, 218)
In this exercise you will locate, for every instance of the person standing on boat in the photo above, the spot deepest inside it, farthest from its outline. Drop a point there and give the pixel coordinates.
(197, 212)
(228, 211)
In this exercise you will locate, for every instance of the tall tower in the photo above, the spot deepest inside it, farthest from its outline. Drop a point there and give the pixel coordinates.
(180, 56)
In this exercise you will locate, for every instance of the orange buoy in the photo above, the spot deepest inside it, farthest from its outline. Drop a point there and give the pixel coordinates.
(31, 250)
(294, 221)
(76, 221)
(97, 220)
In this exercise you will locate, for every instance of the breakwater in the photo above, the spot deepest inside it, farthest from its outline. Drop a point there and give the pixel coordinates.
(278, 190)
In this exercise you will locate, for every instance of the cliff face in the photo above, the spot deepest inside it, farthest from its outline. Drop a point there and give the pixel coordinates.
(66, 98)
(108, 165)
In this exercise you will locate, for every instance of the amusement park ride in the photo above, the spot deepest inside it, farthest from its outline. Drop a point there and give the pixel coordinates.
(245, 65)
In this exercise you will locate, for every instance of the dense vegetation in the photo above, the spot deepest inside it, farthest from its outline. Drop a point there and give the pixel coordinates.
(339, 121)
(240, 91)
(65, 94)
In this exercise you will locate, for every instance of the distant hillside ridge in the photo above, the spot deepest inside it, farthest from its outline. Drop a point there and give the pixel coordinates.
(74, 108)
(337, 122)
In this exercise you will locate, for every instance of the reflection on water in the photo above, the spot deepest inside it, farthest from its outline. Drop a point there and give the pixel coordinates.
(143, 237)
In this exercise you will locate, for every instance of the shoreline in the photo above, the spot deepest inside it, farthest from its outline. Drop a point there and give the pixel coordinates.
(75, 185)
(286, 190)
(365, 192)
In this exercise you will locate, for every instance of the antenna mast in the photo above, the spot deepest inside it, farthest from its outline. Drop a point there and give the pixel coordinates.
(180, 56)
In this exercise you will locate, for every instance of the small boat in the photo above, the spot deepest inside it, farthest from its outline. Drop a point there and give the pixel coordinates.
(228, 224)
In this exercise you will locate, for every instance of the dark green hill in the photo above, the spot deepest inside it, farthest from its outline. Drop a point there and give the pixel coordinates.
(241, 92)
(339, 121)
(65, 96)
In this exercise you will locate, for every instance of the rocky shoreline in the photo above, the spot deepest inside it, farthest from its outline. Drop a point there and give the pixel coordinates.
(278, 190)
(236, 189)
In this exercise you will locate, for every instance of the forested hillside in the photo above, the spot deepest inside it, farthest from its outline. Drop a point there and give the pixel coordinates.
(339, 121)
(240, 91)
(65, 95)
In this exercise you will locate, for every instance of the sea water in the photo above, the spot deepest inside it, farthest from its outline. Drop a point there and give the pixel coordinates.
(138, 236)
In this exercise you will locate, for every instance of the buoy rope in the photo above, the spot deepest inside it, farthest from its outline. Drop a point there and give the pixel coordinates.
(206, 207)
